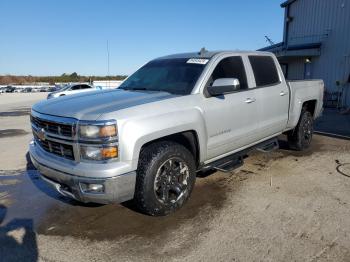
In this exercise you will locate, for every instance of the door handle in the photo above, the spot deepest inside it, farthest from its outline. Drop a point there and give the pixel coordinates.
(282, 93)
(250, 100)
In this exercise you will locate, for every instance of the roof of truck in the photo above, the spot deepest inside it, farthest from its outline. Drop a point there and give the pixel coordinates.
(208, 54)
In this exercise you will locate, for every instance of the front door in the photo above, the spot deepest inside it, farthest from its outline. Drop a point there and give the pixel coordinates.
(231, 119)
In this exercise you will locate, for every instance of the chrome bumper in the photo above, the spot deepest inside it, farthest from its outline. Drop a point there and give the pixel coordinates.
(117, 189)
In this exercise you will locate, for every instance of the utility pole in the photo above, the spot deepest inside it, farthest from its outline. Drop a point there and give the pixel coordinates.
(107, 58)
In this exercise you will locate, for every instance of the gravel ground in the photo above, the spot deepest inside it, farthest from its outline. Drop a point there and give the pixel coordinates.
(280, 206)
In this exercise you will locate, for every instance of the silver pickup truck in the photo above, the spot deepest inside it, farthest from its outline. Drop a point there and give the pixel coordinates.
(173, 117)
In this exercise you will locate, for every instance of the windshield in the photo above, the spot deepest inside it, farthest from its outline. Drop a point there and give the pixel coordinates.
(65, 87)
(175, 76)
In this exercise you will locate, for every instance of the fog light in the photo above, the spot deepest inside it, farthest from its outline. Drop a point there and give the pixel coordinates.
(92, 188)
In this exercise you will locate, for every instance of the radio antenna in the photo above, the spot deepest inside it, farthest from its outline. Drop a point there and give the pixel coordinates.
(268, 39)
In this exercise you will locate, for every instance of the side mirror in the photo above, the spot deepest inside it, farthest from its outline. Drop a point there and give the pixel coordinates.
(223, 86)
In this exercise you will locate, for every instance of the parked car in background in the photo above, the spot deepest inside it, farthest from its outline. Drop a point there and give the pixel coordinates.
(107, 84)
(71, 90)
(10, 89)
(54, 88)
(27, 90)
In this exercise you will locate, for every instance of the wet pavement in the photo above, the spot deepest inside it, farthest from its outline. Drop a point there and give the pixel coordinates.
(12, 132)
(30, 209)
(279, 206)
(54, 214)
(16, 112)
(34, 206)
(332, 122)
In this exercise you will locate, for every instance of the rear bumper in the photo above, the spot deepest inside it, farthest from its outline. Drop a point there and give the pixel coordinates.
(117, 188)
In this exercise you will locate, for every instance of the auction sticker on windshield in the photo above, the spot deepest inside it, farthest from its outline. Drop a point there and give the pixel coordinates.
(197, 61)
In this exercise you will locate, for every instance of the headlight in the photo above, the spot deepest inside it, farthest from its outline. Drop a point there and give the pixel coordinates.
(97, 131)
(98, 153)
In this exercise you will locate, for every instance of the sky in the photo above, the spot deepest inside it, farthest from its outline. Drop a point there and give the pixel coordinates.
(53, 37)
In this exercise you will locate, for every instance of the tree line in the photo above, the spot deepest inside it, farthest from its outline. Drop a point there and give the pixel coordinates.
(64, 78)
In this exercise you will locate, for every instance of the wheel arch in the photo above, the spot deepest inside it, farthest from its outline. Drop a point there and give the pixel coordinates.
(296, 110)
(188, 139)
(310, 106)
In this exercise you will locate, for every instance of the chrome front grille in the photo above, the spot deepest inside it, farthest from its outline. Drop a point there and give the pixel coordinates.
(54, 134)
(53, 127)
(56, 148)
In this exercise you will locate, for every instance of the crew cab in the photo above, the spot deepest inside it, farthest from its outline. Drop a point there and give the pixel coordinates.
(173, 117)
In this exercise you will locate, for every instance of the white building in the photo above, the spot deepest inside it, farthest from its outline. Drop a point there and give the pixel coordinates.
(107, 84)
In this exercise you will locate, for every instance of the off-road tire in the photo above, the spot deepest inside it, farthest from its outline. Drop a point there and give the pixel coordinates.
(300, 137)
(152, 157)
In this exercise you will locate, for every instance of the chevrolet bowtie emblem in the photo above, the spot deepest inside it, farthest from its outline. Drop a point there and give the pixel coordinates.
(41, 134)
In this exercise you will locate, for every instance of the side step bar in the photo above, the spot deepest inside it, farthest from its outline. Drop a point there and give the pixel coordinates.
(231, 162)
(230, 165)
(268, 146)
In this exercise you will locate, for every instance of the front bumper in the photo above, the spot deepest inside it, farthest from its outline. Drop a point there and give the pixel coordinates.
(66, 178)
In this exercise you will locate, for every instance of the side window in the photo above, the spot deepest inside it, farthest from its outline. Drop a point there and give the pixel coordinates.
(76, 87)
(230, 67)
(84, 87)
(265, 71)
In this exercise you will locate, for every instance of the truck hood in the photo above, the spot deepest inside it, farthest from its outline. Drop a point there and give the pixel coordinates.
(90, 105)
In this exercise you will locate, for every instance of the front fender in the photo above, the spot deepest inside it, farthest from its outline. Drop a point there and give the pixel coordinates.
(137, 132)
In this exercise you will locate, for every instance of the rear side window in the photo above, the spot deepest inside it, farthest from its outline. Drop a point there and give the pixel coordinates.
(230, 67)
(265, 71)
(76, 87)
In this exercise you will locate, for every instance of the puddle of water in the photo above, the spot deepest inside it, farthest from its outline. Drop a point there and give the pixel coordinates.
(18, 112)
(26, 201)
(53, 214)
(6, 182)
(12, 132)
(118, 221)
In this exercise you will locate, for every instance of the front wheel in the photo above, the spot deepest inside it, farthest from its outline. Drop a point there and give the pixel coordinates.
(300, 138)
(165, 178)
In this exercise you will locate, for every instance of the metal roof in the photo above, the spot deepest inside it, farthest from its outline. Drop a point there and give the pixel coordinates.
(271, 48)
(300, 50)
(286, 3)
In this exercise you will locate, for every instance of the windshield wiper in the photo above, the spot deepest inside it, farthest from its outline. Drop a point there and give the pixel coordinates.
(144, 89)
(134, 88)
(158, 90)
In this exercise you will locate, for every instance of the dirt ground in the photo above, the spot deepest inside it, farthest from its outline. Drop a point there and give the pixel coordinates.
(279, 206)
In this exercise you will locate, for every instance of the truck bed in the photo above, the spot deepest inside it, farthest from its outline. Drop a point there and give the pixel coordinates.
(301, 91)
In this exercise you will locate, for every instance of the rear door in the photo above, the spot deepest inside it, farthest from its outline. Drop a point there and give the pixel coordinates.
(231, 119)
(272, 95)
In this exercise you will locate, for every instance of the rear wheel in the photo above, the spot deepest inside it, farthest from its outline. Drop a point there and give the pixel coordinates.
(300, 138)
(165, 178)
